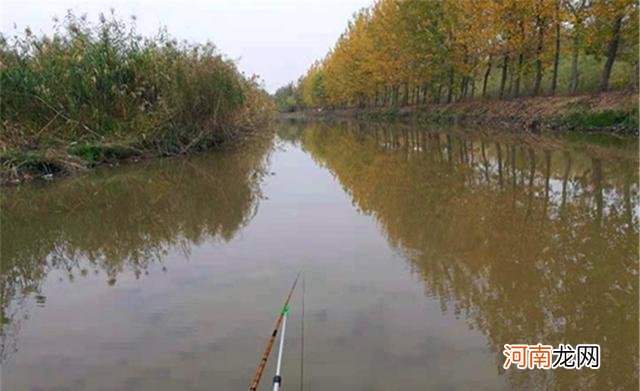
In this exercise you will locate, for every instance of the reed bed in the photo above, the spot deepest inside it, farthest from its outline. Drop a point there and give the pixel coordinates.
(95, 92)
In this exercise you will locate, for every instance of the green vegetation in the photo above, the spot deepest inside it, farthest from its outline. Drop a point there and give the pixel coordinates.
(608, 118)
(424, 52)
(287, 99)
(93, 93)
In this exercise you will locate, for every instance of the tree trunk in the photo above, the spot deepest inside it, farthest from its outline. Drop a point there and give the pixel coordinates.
(486, 79)
(465, 92)
(450, 86)
(612, 49)
(385, 96)
(538, 79)
(516, 91)
(396, 92)
(574, 64)
(424, 93)
(405, 95)
(509, 92)
(472, 79)
(556, 57)
(503, 79)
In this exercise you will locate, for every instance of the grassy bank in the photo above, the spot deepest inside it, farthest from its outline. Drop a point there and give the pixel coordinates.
(95, 93)
(614, 112)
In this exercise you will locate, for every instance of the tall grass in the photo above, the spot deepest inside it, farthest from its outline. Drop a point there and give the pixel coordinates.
(94, 86)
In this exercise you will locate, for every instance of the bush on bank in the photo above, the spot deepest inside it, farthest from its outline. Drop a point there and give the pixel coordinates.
(94, 92)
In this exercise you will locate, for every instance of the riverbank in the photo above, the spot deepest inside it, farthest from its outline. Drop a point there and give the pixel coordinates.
(34, 162)
(24, 166)
(612, 112)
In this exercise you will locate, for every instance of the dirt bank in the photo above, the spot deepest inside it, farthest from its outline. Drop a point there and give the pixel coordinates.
(613, 112)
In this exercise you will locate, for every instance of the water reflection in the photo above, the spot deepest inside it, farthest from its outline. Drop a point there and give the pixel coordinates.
(523, 239)
(112, 221)
(529, 240)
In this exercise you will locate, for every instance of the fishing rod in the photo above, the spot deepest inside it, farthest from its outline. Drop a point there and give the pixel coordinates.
(282, 320)
(277, 379)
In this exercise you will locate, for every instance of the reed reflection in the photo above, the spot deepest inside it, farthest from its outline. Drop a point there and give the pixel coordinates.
(115, 221)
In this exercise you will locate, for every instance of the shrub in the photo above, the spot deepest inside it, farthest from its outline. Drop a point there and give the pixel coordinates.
(95, 84)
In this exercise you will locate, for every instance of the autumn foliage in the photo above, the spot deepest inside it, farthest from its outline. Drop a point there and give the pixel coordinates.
(419, 51)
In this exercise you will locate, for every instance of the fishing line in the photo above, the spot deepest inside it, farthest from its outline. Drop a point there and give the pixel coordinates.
(302, 338)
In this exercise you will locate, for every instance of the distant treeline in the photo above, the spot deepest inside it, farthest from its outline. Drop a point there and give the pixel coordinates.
(91, 92)
(419, 51)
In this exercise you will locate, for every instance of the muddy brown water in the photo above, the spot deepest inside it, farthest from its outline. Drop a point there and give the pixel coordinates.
(424, 251)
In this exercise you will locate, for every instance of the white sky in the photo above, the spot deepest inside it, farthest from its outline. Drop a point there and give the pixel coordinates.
(276, 39)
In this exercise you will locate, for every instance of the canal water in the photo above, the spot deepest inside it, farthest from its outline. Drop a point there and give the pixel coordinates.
(424, 250)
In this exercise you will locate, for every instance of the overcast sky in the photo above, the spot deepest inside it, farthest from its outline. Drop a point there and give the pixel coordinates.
(276, 39)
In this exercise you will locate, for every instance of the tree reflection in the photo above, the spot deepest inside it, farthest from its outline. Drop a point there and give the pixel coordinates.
(551, 257)
(115, 221)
